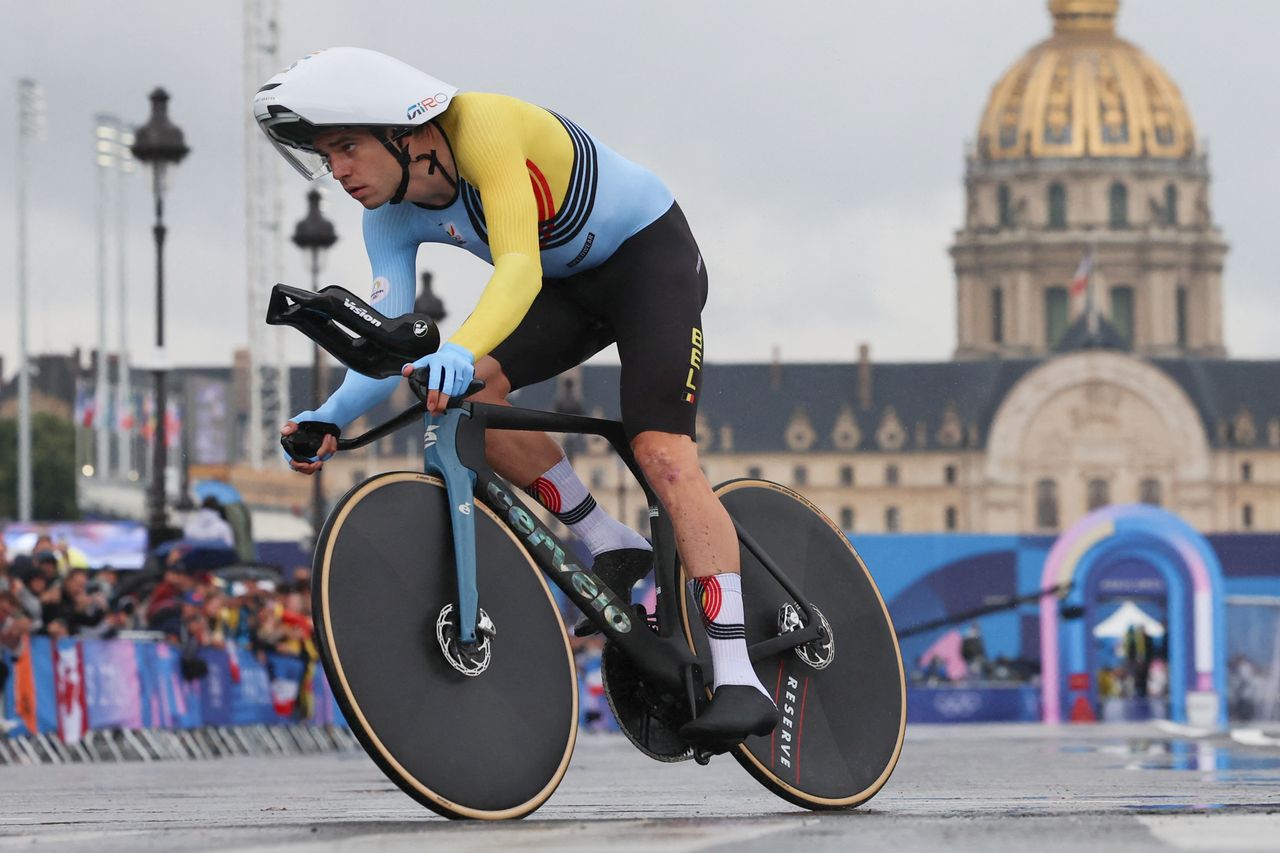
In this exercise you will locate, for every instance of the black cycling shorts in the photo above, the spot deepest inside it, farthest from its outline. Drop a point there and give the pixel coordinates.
(647, 297)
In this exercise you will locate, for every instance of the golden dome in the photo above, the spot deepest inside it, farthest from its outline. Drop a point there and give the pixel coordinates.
(1084, 92)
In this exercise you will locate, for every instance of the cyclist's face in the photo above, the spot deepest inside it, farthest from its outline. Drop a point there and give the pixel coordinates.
(361, 164)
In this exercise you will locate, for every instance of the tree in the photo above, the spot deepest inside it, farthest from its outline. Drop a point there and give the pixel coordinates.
(53, 468)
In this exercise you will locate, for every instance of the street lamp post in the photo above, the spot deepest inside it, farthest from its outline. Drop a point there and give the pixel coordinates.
(159, 144)
(314, 234)
(30, 118)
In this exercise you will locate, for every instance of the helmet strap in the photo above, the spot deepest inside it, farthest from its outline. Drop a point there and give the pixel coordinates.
(402, 157)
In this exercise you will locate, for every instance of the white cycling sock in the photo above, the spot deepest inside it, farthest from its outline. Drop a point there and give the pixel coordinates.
(719, 598)
(561, 492)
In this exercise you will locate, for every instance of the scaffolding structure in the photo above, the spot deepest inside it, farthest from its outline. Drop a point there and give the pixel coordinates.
(264, 243)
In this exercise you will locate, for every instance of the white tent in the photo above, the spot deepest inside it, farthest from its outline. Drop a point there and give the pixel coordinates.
(1126, 616)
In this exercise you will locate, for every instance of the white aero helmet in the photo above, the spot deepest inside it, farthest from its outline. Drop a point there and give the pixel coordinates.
(345, 87)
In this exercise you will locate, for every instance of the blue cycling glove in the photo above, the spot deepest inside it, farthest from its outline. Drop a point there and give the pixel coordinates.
(450, 369)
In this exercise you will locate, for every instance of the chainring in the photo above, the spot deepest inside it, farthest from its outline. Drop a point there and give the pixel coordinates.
(649, 718)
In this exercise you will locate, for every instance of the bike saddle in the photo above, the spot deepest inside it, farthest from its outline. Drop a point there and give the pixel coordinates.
(353, 332)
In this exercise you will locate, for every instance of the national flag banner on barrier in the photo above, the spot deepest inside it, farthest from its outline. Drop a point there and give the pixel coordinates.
(31, 697)
(73, 712)
(20, 697)
(286, 684)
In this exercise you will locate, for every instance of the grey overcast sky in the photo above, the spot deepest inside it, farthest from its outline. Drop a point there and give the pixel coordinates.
(816, 147)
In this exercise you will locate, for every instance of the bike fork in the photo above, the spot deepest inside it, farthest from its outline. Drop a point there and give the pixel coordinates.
(440, 456)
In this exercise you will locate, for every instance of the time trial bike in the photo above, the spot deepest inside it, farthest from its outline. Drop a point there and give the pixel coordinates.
(447, 652)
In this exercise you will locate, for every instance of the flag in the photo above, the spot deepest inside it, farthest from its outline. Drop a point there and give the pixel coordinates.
(1081, 279)
(73, 714)
(148, 417)
(172, 424)
(86, 406)
(24, 683)
(233, 662)
(124, 411)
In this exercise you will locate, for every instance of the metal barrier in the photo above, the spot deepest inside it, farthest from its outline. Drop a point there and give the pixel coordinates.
(147, 745)
(134, 700)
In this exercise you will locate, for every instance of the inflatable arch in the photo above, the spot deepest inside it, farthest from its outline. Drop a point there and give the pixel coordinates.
(1191, 571)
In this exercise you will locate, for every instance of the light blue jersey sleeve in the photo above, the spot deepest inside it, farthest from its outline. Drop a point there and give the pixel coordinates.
(393, 252)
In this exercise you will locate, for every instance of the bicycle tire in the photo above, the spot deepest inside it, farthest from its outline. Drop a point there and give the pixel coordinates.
(493, 746)
(842, 726)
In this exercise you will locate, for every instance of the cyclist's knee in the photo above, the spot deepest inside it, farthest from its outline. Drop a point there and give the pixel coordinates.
(666, 457)
(496, 384)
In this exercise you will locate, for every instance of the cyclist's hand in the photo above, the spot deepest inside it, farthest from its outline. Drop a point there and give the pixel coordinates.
(447, 373)
(328, 447)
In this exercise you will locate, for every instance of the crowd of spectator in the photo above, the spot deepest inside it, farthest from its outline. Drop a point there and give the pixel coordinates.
(45, 592)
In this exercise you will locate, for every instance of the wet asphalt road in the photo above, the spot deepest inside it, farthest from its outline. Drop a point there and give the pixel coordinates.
(989, 788)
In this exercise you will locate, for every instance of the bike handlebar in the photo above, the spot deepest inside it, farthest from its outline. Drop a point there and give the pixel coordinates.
(304, 444)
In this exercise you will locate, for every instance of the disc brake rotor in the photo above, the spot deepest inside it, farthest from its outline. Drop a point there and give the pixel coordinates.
(468, 660)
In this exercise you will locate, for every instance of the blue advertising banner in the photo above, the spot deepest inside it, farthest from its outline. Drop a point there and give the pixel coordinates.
(973, 704)
(168, 700)
(113, 693)
(216, 689)
(251, 695)
(46, 686)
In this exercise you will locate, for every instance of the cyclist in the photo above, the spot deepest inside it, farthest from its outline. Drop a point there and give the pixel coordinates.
(588, 249)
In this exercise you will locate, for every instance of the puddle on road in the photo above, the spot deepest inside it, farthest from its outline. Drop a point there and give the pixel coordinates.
(1173, 754)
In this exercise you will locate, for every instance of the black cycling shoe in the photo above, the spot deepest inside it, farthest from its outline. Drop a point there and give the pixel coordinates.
(620, 570)
(736, 712)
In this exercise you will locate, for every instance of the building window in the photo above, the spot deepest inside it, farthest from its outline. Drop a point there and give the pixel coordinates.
(997, 315)
(1122, 310)
(1004, 203)
(1056, 315)
(800, 475)
(891, 519)
(846, 475)
(1119, 206)
(891, 475)
(1170, 205)
(846, 519)
(1099, 493)
(1246, 472)
(1181, 319)
(1246, 516)
(1149, 492)
(1047, 504)
(597, 478)
(951, 518)
(1057, 206)
(950, 474)
(754, 472)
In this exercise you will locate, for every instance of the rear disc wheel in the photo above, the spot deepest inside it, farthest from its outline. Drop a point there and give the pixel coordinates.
(842, 697)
